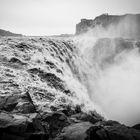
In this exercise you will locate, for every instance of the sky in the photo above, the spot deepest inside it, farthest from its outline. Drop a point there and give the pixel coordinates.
(52, 17)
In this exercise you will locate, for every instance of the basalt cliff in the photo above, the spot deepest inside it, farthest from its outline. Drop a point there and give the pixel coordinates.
(111, 25)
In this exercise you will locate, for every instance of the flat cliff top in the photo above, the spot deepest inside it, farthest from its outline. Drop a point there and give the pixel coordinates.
(122, 25)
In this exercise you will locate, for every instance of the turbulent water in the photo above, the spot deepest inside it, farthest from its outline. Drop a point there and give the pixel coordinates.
(113, 76)
(44, 67)
(97, 74)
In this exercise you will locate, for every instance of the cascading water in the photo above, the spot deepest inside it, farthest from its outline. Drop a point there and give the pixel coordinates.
(97, 74)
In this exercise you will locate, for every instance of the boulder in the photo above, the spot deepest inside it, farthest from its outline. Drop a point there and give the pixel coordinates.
(57, 121)
(22, 127)
(75, 131)
(112, 130)
(109, 130)
(17, 103)
(86, 117)
(137, 126)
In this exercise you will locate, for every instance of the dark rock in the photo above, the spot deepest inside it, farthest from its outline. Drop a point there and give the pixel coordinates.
(114, 132)
(50, 78)
(13, 123)
(86, 117)
(92, 133)
(68, 110)
(53, 108)
(26, 108)
(8, 103)
(20, 126)
(7, 136)
(110, 123)
(57, 121)
(110, 130)
(38, 136)
(137, 126)
(78, 109)
(17, 103)
(75, 131)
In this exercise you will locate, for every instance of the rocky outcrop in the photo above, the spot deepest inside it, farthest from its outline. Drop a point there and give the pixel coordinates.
(111, 25)
(20, 122)
(83, 26)
(100, 131)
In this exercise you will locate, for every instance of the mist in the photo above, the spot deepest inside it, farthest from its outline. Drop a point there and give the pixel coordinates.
(117, 92)
(112, 67)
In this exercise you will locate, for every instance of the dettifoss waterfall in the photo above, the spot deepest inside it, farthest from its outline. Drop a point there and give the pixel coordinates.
(98, 74)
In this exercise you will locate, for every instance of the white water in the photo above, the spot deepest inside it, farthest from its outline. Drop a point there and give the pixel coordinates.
(103, 74)
(113, 77)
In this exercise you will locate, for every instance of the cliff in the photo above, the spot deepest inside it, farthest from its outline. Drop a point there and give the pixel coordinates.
(121, 25)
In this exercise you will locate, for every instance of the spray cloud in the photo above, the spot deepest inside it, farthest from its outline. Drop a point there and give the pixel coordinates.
(113, 70)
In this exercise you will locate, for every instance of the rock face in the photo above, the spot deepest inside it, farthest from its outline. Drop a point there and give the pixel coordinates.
(111, 25)
(7, 33)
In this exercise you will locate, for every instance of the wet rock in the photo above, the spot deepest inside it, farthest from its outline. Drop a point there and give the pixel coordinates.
(51, 79)
(137, 126)
(86, 117)
(57, 121)
(27, 105)
(110, 123)
(19, 126)
(13, 123)
(8, 103)
(26, 108)
(5, 136)
(68, 110)
(103, 130)
(78, 109)
(17, 103)
(38, 136)
(75, 131)
(115, 131)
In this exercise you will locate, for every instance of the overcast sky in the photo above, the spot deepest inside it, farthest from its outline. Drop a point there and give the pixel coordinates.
(48, 17)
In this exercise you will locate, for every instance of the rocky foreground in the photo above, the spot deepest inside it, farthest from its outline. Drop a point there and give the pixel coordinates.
(37, 99)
